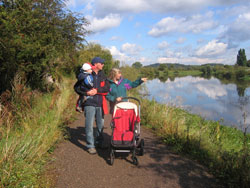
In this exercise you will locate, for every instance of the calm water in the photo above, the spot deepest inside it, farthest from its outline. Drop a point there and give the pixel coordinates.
(208, 98)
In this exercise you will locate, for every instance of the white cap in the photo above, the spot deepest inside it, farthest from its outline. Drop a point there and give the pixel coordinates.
(86, 66)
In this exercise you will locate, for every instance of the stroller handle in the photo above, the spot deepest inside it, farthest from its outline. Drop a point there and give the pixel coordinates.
(133, 99)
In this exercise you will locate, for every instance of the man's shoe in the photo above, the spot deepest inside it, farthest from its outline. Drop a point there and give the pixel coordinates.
(92, 150)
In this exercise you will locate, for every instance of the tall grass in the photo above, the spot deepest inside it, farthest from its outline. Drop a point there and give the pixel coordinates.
(224, 150)
(30, 126)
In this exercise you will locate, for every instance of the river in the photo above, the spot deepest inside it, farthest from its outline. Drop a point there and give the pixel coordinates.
(208, 98)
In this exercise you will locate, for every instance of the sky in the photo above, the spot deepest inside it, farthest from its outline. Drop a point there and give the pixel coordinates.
(190, 32)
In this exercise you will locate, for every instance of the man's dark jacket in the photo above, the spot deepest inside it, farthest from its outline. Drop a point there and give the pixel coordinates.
(102, 85)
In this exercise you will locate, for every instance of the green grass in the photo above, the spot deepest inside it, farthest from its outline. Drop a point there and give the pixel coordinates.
(25, 144)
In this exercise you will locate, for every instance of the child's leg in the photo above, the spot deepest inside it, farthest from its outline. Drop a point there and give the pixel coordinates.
(79, 104)
(81, 98)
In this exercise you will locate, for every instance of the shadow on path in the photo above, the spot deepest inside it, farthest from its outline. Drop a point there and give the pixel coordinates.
(169, 166)
(77, 136)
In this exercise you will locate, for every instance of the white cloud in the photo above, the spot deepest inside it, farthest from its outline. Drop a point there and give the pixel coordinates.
(126, 59)
(117, 54)
(200, 41)
(167, 60)
(158, 6)
(169, 53)
(230, 12)
(212, 49)
(122, 57)
(191, 60)
(180, 40)
(89, 6)
(193, 24)
(163, 45)
(75, 3)
(102, 24)
(238, 31)
(131, 49)
(212, 90)
(116, 38)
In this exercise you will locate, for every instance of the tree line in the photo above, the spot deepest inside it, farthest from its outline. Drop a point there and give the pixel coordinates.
(230, 72)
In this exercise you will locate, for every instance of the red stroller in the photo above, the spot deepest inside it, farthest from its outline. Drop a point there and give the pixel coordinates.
(125, 126)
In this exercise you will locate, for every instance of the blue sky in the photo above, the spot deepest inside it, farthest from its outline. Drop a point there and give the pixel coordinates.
(191, 32)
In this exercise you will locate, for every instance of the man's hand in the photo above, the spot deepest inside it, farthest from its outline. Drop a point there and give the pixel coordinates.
(144, 79)
(92, 92)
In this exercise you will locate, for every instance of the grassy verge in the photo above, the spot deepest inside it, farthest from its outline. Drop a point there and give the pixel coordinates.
(29, 129)
(224, 150)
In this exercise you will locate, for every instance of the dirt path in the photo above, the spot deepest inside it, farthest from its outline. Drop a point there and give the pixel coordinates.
(159, 167)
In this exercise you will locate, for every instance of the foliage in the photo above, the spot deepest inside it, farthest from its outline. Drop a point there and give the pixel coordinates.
(148, 72)
(206, 70)
(241, 58)
(34, 34)
(137, 65)
(88, 52)
(116, 64)
(248, 63)
(162, 67)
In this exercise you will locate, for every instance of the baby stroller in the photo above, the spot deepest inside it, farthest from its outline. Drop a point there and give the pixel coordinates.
(125, 126)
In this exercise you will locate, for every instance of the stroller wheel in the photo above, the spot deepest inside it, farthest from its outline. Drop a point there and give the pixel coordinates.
(141, 152)
(112, 156)
(135, 161)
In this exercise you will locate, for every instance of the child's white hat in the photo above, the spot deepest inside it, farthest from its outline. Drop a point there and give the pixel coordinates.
(86, 66)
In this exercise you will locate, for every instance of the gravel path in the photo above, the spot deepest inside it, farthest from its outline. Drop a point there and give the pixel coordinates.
(159, 167)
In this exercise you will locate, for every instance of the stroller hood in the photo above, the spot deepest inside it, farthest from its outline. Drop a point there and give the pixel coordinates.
(126, 106)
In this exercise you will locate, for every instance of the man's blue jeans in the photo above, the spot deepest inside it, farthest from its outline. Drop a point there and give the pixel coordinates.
(92, 113)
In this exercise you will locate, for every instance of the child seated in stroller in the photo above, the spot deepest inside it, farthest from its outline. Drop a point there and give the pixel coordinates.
(84, 84)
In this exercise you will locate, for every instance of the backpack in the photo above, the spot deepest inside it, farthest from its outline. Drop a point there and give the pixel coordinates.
(77, 87)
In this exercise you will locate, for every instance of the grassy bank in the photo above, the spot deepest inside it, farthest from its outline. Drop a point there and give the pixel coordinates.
(224, 150)
(31, 124)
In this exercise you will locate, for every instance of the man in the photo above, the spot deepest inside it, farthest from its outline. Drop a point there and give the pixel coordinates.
(93, 106)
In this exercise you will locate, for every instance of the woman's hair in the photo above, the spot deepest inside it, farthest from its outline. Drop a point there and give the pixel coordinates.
(113, 73)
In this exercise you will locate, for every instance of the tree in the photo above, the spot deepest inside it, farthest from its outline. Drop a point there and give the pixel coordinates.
(206, 71)
(116, 64)
(92, 50)
(137, 65)
(162, 67)
(241, 58)
(34, 34)
(248, 63)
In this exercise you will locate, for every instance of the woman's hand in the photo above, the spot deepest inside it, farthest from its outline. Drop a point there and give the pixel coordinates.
(118, 99)
(144, 79)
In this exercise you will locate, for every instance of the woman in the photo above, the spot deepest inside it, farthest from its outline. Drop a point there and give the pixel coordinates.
(119, 87)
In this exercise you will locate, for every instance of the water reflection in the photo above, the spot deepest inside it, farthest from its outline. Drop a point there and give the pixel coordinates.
(209, 98)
